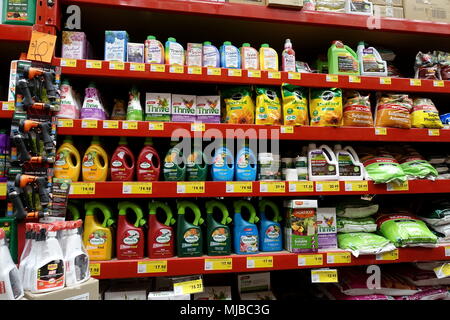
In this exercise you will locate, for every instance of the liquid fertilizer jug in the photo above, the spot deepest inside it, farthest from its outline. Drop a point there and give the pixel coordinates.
(130, 241)
(160, 235)
(189, 234)
(270, 238)
(218, 233)
(246, 240)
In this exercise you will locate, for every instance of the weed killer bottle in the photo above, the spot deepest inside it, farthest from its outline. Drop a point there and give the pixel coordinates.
(76, 257)
(10, 284)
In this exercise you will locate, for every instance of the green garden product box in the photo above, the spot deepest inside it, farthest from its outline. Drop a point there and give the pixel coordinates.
(158, 106)
(9, 225)
(301, 232)
(19, 12)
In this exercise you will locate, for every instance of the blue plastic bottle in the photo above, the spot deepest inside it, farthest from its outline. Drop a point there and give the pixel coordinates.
(246, 239)
(270, 238)
(222, 168)
(211, 55)
(230, 56)
(245, 164)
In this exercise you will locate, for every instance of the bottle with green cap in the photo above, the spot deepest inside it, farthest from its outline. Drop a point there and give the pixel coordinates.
(218, 231)
(174, 52)
(153, 51)
(134, 110)
(268, 58)
(189, 234)
(68, 161)
(249, 57)
(211, 55)
(230, 56)
(94, 165)
(70, 104)
(122, 162)
(130, 242)
(174, 164)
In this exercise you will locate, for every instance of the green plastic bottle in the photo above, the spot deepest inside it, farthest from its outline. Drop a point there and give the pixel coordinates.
(19, 12)
(134, 110)
(342, 59)
(9, 225)
(196, 167)
(189, 235)
(174, 164)
(218, 233)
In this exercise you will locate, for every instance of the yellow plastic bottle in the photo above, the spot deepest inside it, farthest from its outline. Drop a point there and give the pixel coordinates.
(68, 161)
(95, 162)
(268, 58)
(98, 237)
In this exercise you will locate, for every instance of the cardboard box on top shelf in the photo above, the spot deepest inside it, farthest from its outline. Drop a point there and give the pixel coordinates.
(88, 290)
(389, 12)
(294, 4)
(258, 2)
(428, 10)
(391, 3)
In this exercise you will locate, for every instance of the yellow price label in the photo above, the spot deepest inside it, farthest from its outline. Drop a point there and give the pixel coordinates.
(380, 131)
(324, 276)
(301, 186)
(354, 79)
(157, 68)
(213, 71)
(239, 187)
(438, 83)
(434, 132)
(8, 106)
(176, 69)
(259, 262)
(130, 125)
(294, 75)
(234, 72)
(339, 257)
(447, 251)
(89, 124)
(157, 126)
(219, 264)
(389, 256)
(356, 186)
(188, 287)
(191, 187)
(110, 124)
(274, 75)
(93, 64)
(385, 80)
(415, 82)
(327, 186)
(402, 186)
(72, 63)
(94, 269)
(3, 189)
(254, 73)
(155, 266)
(272, 187)
(287, 129)
(198, 127)
(65, 123)
(134, 66)
(442, 271)
(306, 260)
(332, 78)
(82, 188)
(137, 188)
(116, 65)
(194, 70)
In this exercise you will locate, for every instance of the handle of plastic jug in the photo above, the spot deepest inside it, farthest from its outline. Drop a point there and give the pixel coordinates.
(153, 207)
(182, 205)
(90, 208)
(238, 205)
(328, 153)
(125, 205)
(211, 205)
(74, 212)
(353, 53)
(69, 159)
(276, 211)
(352, 152)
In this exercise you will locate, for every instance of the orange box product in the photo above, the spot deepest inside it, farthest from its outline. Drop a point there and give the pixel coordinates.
(425, 115)
(393, 111)
(325, 107)
(357, 111)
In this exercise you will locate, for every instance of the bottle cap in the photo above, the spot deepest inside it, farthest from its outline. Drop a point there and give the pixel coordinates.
(95, 140)
(227, 43)
(246, 44)
(264, 45)
(207, 43)
(67, 139)
(151, 38)
(172, 39)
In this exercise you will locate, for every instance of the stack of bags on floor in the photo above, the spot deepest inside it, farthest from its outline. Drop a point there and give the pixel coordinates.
(437, 216)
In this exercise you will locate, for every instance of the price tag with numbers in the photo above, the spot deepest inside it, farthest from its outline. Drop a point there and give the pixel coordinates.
(42, 46)
(82, 188)
(72, 63)
(239, 187)
(402, 186)
(274, 75)
(254, 73)
(110, 124)
(116, 65)
(339, 257)
(134, 66)
(188, 287)
(415, 82)
(356, 186)
(301, 186)
(332, 78)
(130, 125)
(157, 68)
(198, 127)
(65, 123)
(259, 262)
(272, 187)
(388, 256)
(8, 105)
(380, 131)
(137, 188)
(294, 75)
(213, 71)
(194, 70)
(93, 64)
(234, 72)
(219, 264)
(176, 69)
(191, 187)
(385, 80)
(434, 132)
(154, 266)
(327, 186)
(287, 129)
(89, 124)
(306, 260)
(447, 251)
(438, 83)
(95, 269)
(157, 126)
(324, 276)
(354, 79)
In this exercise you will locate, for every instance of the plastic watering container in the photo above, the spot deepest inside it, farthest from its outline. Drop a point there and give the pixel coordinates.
(174, 164)
(218, 233)
(230, 56)
(98, 236)
(160, 234)
(174, 52)
(134, 110)
(95, 162)
(246, 168)
(196, 167)
(270, 238)
(148, 162)
(122, 162)
(211, 55)
(246, 239)
(249, 57)
(322, 163)
(130, 241)
(370, 61)
(349, 166)
(342, 59)
(222, 168)
(68, 161)
(75, 255)
(189, 234)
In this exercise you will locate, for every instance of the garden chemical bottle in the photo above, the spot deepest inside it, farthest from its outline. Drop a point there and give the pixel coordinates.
(342, 59)
(134, 110)
(246, 238)
(246, 168)
(196, 167)
(27, 265)
(288, 57)
(160, 235)
(174, 164)
(19, 12)
(189, 234)
(75, 256)
(95, 162)
(48, 272)
(269, 230)
(322, 163)
(153, 51)
(122, 162)
(211, 55)
(70, 107)
(268, 58)
(370, 61)
(11, 285)
(92, 105)
(249, 57)
(130, 241)
(24, 257)
(148, 162)
(119, 111)
(349, 166)
(68, 161)
(174, 52)
(222, 168)
(230, 56)
(98, 237)
(218, 233)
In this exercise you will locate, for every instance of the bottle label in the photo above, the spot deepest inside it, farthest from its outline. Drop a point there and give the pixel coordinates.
(81, 263)
(210, 58)
(346, 63)
(249, 243)
(289, 62)
(231, 57)
(220, 236)
(51, 275)
(273, 231)
(164, 236)
(270, 60)
(131, 238)
(176, 54)
(97, 238)
(153, 52)
(346, 166)
(250, 59)
(192, 236)
(320, 165)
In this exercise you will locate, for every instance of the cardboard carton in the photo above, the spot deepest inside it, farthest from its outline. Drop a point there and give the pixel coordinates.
(88, 290)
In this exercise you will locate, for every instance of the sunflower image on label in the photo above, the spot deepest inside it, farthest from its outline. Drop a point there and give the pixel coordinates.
(239, 106)
(268, 107)
(51, 275)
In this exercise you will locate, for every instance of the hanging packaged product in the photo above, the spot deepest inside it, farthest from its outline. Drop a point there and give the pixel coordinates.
(270, 236)
(95, 162)
(383, 168)
(196, 167)
(22, 12)
(405, 230)
(211, 55)
(153, 51)
(268, 58)
(148, 163)
(93, 107)
(130, 241)
(246, 237)
(295, 105)
(239, 105)
(325, 107)
(174, 52)
(342, 59)
(245, 165)
(362, 243)
(134, 110)
(174, 164)
(322, 163)
(300, 233)
(122, 162)
(189, 234)
(70, 102)
(425, 115)
(370, 61)
(68, 161)
(98, 237)
(268, 106)
(119, 111)
(160, 235)
(350, 168)
(10, 283)
(158, 106)
(351, 225)
(356, 208)
(194, 54)
(357, 112)
(249, 57)
(218, 232)
(230, 56)
(75, 255)
(416, 167)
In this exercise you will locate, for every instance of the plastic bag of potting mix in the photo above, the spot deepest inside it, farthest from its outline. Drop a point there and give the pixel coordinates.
(437, 213)
(393, 111)
(325, 107)
(425, 115)
(383, 168)
(356, 208)
(360, 243)
(295, 105)
(406, 230)
(350, 225)
(268, 106)
(416, 167)
(443, 229)
(239, 107)
(357, 111)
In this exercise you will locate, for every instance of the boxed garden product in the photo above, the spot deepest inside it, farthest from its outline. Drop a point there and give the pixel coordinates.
(301, 232)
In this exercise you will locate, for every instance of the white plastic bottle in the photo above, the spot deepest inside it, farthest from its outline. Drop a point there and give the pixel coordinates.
(24, 257)
(76, 257)
(370, 61)
(28, 265)
(288, 57)
(10, 284)
(322, 163)
(350, 169)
